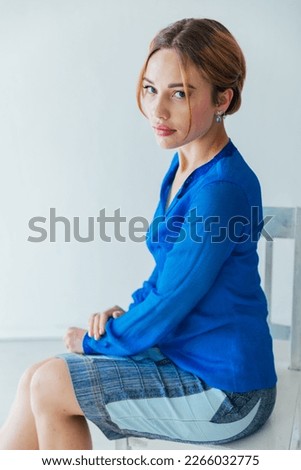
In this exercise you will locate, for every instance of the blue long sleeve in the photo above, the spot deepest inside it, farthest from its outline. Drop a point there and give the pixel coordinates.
(140, 294)
(203, 305)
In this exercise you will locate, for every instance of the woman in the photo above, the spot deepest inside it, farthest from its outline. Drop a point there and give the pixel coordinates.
(191, 359)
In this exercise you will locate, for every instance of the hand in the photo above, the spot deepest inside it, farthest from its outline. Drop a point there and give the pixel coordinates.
(74, 340)
(97, 321)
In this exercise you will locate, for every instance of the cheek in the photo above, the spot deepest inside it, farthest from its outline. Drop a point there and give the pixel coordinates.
(203, 110)
(202, 114)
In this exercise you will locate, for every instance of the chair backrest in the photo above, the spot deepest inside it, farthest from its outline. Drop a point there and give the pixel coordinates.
(283, 222)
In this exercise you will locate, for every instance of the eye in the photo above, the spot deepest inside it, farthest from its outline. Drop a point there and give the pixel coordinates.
(180, 94)
(149, 89)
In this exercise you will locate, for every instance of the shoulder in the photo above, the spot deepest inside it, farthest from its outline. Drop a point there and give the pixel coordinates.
(233, 175)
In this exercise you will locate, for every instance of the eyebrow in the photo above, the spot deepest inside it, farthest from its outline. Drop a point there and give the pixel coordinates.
(171, 85)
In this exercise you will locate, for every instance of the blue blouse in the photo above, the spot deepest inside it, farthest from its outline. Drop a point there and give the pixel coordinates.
(203, 305)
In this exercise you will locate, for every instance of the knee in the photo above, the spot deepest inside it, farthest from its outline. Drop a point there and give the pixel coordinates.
(24, 385)
(47, 387)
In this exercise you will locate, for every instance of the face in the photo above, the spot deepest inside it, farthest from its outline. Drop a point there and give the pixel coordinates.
(166, 105)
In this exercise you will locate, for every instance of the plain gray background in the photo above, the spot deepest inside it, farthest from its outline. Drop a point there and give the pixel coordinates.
(72, 138)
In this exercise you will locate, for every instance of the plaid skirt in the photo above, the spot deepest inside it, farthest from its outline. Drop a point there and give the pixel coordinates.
(147, 395)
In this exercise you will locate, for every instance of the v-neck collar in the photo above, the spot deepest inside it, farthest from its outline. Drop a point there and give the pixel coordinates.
(227, 150)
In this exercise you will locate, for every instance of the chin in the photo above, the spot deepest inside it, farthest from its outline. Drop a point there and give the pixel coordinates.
(166, 145)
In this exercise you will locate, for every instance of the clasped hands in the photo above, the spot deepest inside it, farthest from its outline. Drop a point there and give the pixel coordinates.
(97, 324)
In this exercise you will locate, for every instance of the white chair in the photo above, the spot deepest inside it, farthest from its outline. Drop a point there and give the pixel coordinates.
(283, 429)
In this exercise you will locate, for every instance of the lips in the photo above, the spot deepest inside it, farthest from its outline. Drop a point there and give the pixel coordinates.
(163, 131)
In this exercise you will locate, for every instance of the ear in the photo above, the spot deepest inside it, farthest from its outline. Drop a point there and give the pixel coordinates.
(224, 99)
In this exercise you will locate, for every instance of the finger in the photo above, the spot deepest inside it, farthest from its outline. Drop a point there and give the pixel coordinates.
(91, 324)
(95, 330)
(97, 321)
(117, 313)
(102, 321)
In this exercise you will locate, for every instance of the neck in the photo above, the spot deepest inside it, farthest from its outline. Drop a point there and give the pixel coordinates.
(199, 152)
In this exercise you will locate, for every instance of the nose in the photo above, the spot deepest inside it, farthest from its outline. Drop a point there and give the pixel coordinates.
(160, 109)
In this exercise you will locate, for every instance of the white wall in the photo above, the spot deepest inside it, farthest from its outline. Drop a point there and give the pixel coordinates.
(73, 139)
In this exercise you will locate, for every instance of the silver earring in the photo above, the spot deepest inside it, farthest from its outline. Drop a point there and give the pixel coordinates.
(219, 117)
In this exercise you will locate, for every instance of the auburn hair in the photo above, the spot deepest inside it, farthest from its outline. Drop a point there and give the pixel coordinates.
(208, 45)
